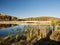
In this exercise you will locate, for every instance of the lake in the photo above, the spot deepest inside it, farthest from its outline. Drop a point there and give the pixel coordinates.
(5, 32)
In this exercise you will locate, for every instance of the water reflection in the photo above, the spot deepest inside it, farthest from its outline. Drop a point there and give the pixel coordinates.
(22, 28)
(5, 32)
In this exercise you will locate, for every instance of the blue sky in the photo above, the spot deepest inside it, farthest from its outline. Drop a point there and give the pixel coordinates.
(30, 8)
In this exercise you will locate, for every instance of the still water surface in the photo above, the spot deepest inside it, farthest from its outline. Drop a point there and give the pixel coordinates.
(5, 32)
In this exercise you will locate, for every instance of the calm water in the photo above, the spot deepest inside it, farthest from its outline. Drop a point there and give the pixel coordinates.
(5, 32)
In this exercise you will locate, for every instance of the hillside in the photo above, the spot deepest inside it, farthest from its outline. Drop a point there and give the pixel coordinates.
(43, 18)
(4, 17)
